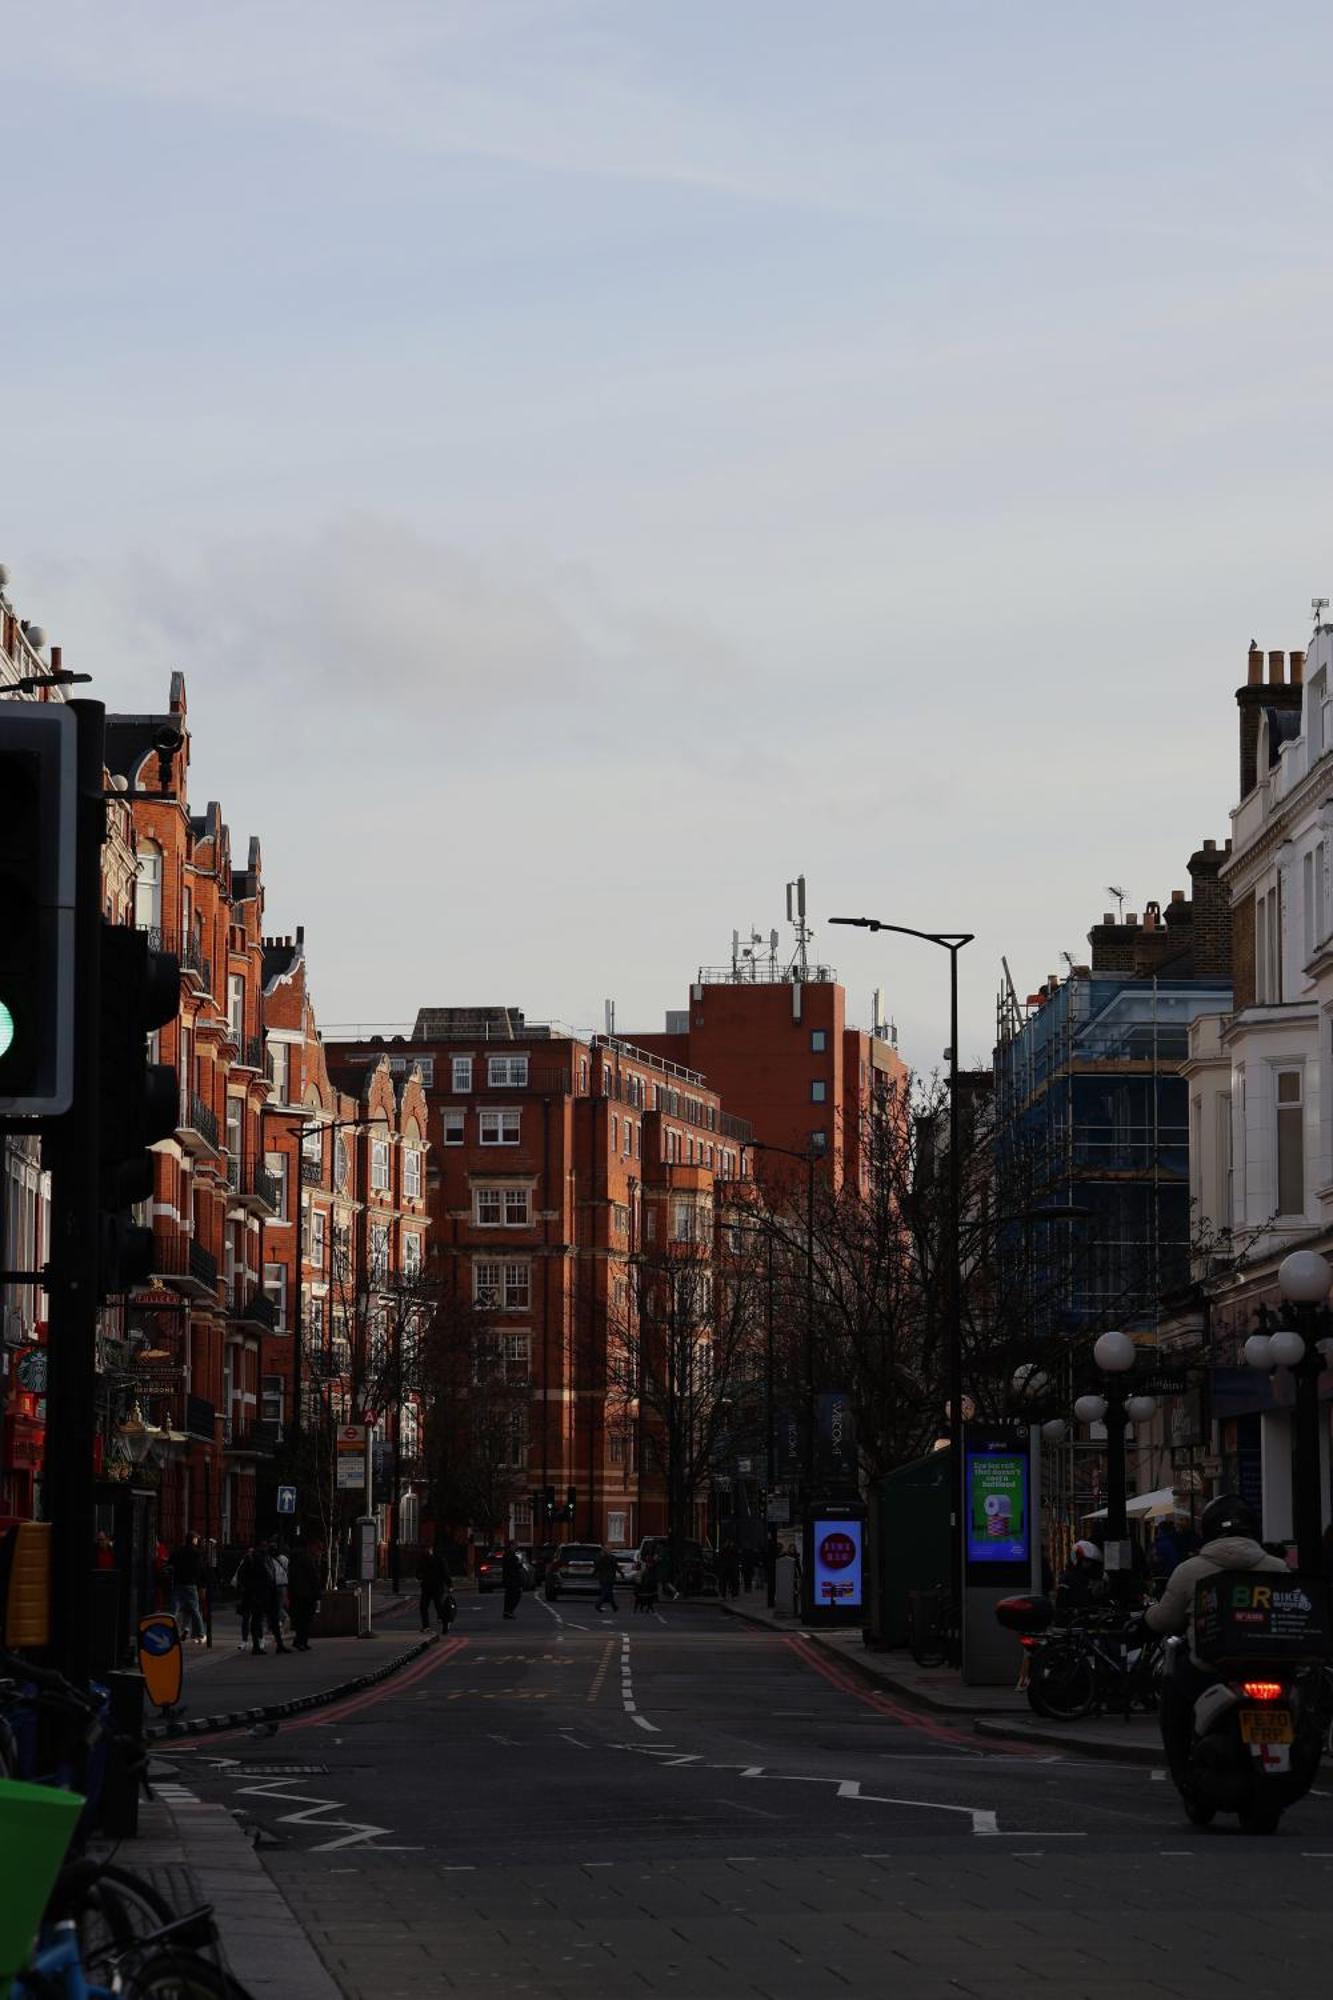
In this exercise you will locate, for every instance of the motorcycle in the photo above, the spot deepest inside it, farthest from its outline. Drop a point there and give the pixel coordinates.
(1092, 1664)
(1257, 1727)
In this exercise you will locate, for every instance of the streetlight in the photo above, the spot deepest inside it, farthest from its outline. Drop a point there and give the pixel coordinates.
(1115, 1355)
(952, 942)
(1303, 1278)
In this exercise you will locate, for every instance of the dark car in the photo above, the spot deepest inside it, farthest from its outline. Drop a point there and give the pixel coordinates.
(490, 1570)
(573, 1568)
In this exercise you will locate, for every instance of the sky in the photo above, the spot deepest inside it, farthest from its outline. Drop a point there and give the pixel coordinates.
(594, 460)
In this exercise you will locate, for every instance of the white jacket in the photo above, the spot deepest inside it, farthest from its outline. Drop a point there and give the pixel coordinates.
(1174, 1610)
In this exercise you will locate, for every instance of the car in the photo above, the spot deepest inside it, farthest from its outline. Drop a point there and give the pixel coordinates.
(490, 1570)
(695, 1561)
(572, 1568)
(627, 1565)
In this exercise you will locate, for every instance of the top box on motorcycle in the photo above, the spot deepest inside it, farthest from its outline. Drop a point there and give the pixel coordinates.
(1024, 1613)
(1243, 1617)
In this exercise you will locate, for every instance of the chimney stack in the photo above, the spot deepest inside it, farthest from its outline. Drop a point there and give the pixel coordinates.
(1256, 665)
(1277, 661)
(1255, 697)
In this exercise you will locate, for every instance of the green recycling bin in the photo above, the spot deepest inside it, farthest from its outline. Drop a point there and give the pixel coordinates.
(37, 1823)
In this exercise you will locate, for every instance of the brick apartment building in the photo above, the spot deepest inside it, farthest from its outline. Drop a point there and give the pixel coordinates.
(556, 1160)
(774, 1040)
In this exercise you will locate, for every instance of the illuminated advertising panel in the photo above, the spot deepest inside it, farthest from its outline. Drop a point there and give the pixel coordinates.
(998, 1528)
(837, 1551)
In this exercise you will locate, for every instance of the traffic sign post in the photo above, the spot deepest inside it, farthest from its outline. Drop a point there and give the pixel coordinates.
(286, 1499)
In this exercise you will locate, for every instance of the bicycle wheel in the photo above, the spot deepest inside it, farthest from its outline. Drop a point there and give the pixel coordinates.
(1062, 1687)
(112, 1907)
(180, 1975)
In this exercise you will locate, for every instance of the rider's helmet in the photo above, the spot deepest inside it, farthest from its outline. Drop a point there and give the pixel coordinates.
(1227, 1515)
(1087, 1552)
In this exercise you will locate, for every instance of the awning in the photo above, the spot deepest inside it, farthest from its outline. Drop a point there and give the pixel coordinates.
(1149, 1506)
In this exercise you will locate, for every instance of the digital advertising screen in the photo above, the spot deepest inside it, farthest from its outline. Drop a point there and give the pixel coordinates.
(998, 1530)
(837, 1553)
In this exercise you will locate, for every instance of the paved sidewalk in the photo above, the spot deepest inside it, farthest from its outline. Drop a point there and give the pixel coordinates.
(196, 1853)
(995, 1712)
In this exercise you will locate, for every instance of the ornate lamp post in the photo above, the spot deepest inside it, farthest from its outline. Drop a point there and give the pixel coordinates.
(1304, 1279)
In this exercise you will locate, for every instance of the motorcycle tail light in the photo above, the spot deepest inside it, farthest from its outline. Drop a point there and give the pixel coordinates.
(1027, 1643)
(1262, 1690)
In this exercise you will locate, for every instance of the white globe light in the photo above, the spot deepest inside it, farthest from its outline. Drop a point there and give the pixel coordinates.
(1090, 1409)
(1114, 1353)
(1287, 1348)
(1139, 1408)
(1304, 1277)
(1030, 1380)
(1054, 1430)
(1259, 1352)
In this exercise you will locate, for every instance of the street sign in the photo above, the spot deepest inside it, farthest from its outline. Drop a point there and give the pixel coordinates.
(351, 1437)
(351, 1458)
(286, 1499)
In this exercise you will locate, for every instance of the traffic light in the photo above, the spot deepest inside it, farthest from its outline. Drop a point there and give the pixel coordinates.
(138, 1100)
(38, 822)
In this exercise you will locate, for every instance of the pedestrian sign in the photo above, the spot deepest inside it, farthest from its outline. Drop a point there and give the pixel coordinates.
(286, 1499)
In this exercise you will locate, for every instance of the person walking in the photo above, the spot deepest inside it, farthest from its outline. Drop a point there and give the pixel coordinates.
(604, 1569)
(728, 1570)
(749, 1565)
(436, 1583)
(187, 1573)
(303, 1593)
(257, 1584)
(511, 1575)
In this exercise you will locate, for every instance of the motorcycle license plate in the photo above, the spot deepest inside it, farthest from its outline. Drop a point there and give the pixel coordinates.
(1272, 1725)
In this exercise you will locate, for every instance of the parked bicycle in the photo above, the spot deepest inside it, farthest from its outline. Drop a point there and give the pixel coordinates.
(935, 1633)
(1092, 1667)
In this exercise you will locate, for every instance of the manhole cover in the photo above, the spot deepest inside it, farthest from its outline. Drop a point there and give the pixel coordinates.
(275, 1768)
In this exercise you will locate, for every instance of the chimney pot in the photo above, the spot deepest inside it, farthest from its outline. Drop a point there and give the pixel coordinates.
(1210, 847)
(1108, 916)
(1277, 663)
(1177, 895)
(1297, 669)
(57, 654)
(1131, 916)
(1256, 665)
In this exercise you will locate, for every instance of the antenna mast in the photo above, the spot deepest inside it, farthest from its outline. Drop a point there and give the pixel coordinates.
(800, 965)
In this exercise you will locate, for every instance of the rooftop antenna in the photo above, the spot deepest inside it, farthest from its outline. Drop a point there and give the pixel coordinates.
(1119, 895)
(610, 1006)
(1068, 958)
(877, 1012)
(796, 917)
(1318, 605)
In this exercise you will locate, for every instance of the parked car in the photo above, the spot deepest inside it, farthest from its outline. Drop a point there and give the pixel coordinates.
(695, 1561)
(490, 1570)
(572, 1568)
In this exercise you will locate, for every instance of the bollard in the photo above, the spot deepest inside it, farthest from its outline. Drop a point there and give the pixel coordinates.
(119, 1815)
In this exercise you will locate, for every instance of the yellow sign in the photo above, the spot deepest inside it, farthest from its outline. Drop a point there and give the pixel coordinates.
(161, 1661)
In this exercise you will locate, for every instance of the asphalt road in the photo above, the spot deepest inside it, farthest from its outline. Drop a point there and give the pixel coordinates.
(681, 1803)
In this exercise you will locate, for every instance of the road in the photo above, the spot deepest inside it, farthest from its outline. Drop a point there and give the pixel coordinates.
(684, 1803)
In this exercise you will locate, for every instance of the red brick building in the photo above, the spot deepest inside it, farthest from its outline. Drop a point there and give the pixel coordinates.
(555, 1161)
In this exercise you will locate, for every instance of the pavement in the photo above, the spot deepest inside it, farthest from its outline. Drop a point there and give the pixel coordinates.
(693, 1803)
(1002, 1712)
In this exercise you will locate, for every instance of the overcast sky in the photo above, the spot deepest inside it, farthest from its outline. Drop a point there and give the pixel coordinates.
(594, 459)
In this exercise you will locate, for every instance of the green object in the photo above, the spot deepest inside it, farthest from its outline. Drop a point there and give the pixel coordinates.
(6, 1028)
(908, 1542)
(36, 1826)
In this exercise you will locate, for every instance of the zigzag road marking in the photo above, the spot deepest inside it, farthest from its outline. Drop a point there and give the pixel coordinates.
(356, 1832)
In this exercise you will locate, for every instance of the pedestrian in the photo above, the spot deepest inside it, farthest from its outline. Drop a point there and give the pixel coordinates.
(749, 1567)
(604, 1569)
(662, 1565)
(303, 1591)
(257, 1583)
(187, 1573)
(728, 1570)
(511, 1575)
(436, 1584)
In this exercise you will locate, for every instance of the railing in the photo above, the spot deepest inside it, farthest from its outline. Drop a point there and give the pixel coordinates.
(661, 1064)
(203, 1266)
(250, 1178)
(765, 972)
(183, 1262)
(255, 1308)
(732, 1127)
(199, 1417)
(197, 1117)
(312, 1172)
(249, 1052)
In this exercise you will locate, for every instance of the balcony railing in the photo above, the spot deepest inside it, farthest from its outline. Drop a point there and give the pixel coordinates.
(184, 1264)
(194, 963)
(259, 1438)
(249, 1052)
(253, 1185)
(253, 1308)
(198, 1128)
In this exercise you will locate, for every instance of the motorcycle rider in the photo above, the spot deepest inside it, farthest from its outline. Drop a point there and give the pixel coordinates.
(1082, 1586)
(1230, 1537)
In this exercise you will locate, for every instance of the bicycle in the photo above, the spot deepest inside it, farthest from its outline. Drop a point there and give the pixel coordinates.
(936, 1635)
(1085, 1669)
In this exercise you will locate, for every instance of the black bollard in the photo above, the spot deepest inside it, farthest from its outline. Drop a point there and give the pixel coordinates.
(119, 1814)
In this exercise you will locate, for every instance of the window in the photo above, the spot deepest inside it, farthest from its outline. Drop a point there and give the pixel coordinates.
(507, 1072)
(502, 1207)
(236, 1005)
(616, 1447)
(270, 1399)
(617, 1531)
(819, 1144)
(583, 1075)
(277, 1070)
(518, 1208)
(235, 1128)
(312, 1146)
(275, 1291)
(277, 1166)
(1224, 1177)
(412, 1174)
(379, 1164)
(379, 1250)
(148, 887)
(1290, 1143)
(318, 1226)
(426, 1064)
(650, 1225)
(412, 1255)
(615, 1133)
(517, 1438)
(498, 1128)
(453, 1127)
(818, 1091)
(517, 1347)
(818, 1041)
(462, 1073)
(505, 1287)
(1268, 949)
(682, 1221)
(1307, 904)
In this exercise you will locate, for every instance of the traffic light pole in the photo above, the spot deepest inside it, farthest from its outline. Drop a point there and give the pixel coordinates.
(72, 1153)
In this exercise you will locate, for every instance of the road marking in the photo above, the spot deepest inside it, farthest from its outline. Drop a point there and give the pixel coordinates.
(599, 1674)
(644, 1723)
(1157, 1776)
